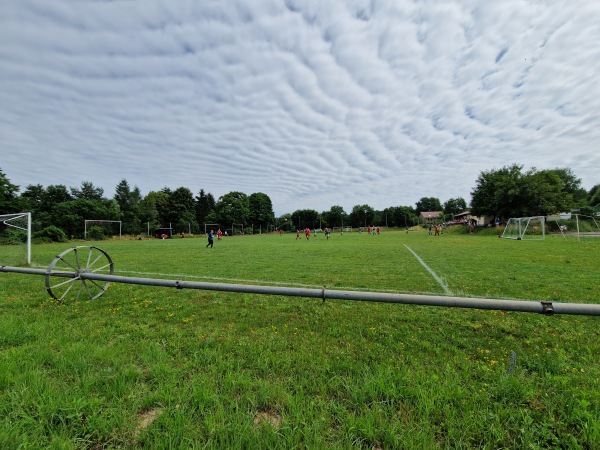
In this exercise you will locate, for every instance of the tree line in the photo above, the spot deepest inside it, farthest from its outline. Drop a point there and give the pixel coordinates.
(503, 193)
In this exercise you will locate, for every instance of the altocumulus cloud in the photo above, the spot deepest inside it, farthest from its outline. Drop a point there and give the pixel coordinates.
(313, 103)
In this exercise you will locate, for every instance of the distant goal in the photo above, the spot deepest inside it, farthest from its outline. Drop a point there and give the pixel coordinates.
(342, 229)
(104, 227)
(525, 228)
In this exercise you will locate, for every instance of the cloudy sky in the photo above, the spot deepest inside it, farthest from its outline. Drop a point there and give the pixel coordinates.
(315, 103)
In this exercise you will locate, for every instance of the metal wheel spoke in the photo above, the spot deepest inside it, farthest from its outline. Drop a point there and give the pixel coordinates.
(99, 268)
(64, 294)
(61, 259)
(70, 280)
(79, 290)
(69, 264)
(77, 258)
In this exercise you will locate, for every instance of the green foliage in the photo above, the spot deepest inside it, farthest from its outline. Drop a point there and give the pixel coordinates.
(205, 204)
(305, 218)
(231, 208)
(96, 233)
(362, 216)
(455, 206)
(335, 217)
(181, 206)
(130, 212)
(12, 236)
(9, 200)
(88, 192)
(594, 195)
(260, 210)
(428, 204)
(51, 234)
(508, 192)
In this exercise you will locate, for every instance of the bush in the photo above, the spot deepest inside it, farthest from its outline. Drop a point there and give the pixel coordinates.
(96, 233)
(14, 237)
(52, 234)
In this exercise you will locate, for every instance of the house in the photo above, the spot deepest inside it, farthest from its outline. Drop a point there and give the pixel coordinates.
(430, 217)
(479, 220)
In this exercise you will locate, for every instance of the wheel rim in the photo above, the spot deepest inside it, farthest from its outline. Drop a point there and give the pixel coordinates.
(70, 264)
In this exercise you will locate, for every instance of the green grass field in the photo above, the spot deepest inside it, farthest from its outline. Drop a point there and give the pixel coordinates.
(150, 367)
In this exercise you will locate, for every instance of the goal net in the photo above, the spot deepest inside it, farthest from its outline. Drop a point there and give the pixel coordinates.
(15, 238)
(577, 225)
(237, 229)
(100, 229)
(342, 229)
(210, 226)
(524, 228)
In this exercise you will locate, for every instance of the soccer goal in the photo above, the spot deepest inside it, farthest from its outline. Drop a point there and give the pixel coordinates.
(210, 226)
(237, 229)
(15, 238)
(107, 227)
(525, 228)
(342, 229)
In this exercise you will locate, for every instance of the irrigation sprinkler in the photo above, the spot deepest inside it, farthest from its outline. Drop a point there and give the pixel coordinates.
(82, 267)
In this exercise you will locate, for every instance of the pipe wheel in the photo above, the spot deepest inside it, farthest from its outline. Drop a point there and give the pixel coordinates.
(64, 281)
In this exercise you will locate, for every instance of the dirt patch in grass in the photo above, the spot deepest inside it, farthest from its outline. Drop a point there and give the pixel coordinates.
(273, 418)
(144, 419)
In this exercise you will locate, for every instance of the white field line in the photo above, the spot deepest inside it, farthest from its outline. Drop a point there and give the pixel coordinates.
(433, 274)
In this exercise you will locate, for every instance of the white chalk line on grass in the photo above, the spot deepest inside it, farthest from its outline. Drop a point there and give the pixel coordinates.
(433, 274)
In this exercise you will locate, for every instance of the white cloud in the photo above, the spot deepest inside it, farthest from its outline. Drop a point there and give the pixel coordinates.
(314, 103)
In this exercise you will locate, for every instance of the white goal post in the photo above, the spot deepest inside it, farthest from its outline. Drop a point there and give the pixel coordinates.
(20, 221)
(99, 222)
(525, 228)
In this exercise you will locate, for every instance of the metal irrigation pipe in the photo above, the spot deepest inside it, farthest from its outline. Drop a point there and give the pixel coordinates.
(541, 307)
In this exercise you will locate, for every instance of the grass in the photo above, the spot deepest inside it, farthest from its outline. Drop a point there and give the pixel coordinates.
(164, 368)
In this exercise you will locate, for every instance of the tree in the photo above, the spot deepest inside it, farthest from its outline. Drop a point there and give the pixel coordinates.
(335, 217)
(70, 215)
(53, 195)
(305, 218)
(155, 207)
(232, 208)
(260, 210)
(594, 195)
(88, 192)
(362, 216)
(9, 200)
(205, 204)
(455, 206)
(544, 194)
(508, 192)
(148, 211)
(31, 198)
(129, 206)
(401, 216)
(285, 222)
(498, 193)
(428, 204)
(182, 208)
(571, 184)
